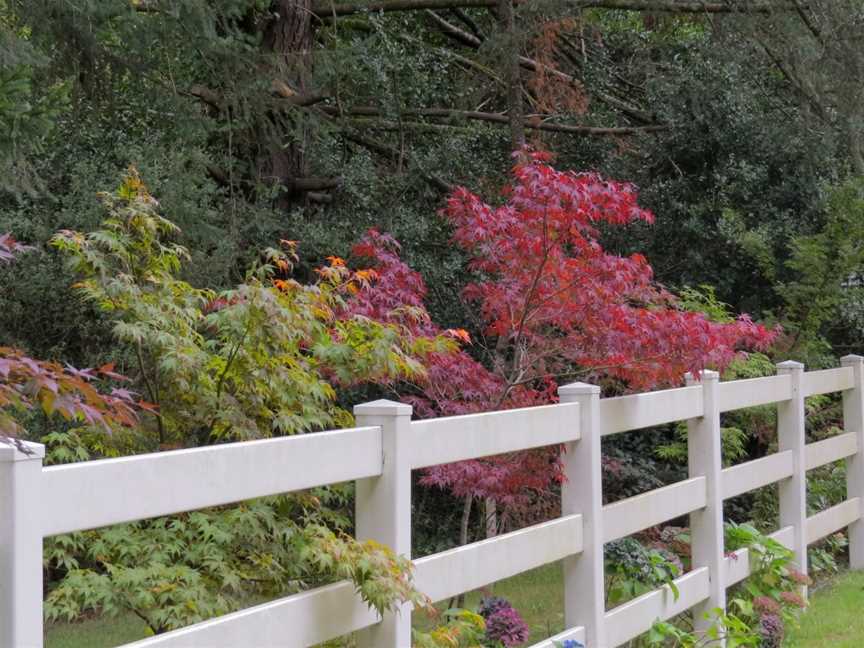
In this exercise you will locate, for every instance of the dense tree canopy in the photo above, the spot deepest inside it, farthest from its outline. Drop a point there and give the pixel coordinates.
(255, 121)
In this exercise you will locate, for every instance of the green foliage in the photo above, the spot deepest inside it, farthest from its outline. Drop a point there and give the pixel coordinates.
(461, 629)
(755, 242)
(734, 441)
(826, 267)
(25, 120)
(259, 360)
(630, 466)
(736, 145)
(28, 109)
(703, 299)
(175, 571)
(730, 628)
(755, 365)
(755, 426)
(738, 175)
(245, 363)
(772, 574)
(822, 558)
(633, 569)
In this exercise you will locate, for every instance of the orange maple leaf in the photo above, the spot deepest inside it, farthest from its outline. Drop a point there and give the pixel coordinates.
(459, 334)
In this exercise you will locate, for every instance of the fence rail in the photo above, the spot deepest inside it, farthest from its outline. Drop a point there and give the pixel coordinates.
(147, 486)
(379, 455)
(750, 475)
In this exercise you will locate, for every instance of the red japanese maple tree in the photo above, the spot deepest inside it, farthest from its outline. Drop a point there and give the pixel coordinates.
(27, 383)
(556, 300)
(553, 305)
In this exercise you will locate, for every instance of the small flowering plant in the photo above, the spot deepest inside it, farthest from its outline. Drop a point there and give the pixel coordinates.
(504, 625)
(496, 624)
(491, 605)
(761, 609)
(568, 643)
(775, 588)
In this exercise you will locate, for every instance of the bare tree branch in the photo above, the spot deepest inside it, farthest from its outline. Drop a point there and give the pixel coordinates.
(532, 122)
(325, 9)
(464, 38)
(393, 154)
(454, 32)
(281, 97)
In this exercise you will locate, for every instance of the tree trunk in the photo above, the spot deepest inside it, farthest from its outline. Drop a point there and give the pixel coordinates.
(856, 147)
(289, 37)
(463, 538)
(491, 517)
(512, 75)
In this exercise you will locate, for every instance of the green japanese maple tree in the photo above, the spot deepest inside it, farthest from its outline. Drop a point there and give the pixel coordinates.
(259, 360)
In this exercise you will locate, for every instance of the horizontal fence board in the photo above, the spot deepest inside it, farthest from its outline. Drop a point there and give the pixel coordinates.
(93, 494)
(99, 493)
(637, 411)
(474, 565)
(631, 619)
(649, 509)
(833, 449)
(833, 519)
(754, 474)
(737, 394)
(573, 633)
(737, 563)
(296, 621)
(454, 438)
(827, 381)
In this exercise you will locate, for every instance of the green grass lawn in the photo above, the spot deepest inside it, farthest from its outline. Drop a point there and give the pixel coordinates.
(96, 633)
(835, 618)
(538, 594)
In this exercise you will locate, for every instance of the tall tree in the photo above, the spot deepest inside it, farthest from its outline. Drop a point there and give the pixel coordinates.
(816, 46)
(552, 305)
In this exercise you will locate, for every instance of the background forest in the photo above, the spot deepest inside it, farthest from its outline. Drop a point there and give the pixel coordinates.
(264, 141)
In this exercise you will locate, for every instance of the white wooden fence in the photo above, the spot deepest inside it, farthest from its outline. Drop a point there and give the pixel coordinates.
(381, 453)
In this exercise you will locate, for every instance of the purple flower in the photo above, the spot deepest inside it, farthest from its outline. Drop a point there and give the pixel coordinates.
(505, 625)
(489, 605)
(771, 631)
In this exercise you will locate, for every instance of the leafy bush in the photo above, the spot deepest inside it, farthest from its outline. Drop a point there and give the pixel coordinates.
(633, 569)
(759, 610)
(462, 629)
(186, 568)
(256, 361)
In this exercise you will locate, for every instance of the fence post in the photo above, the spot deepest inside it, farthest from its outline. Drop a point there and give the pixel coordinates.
(20, 545)
(383, 508)
(791, 436)
(853, 421)
(705, 459)
(582, 492)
